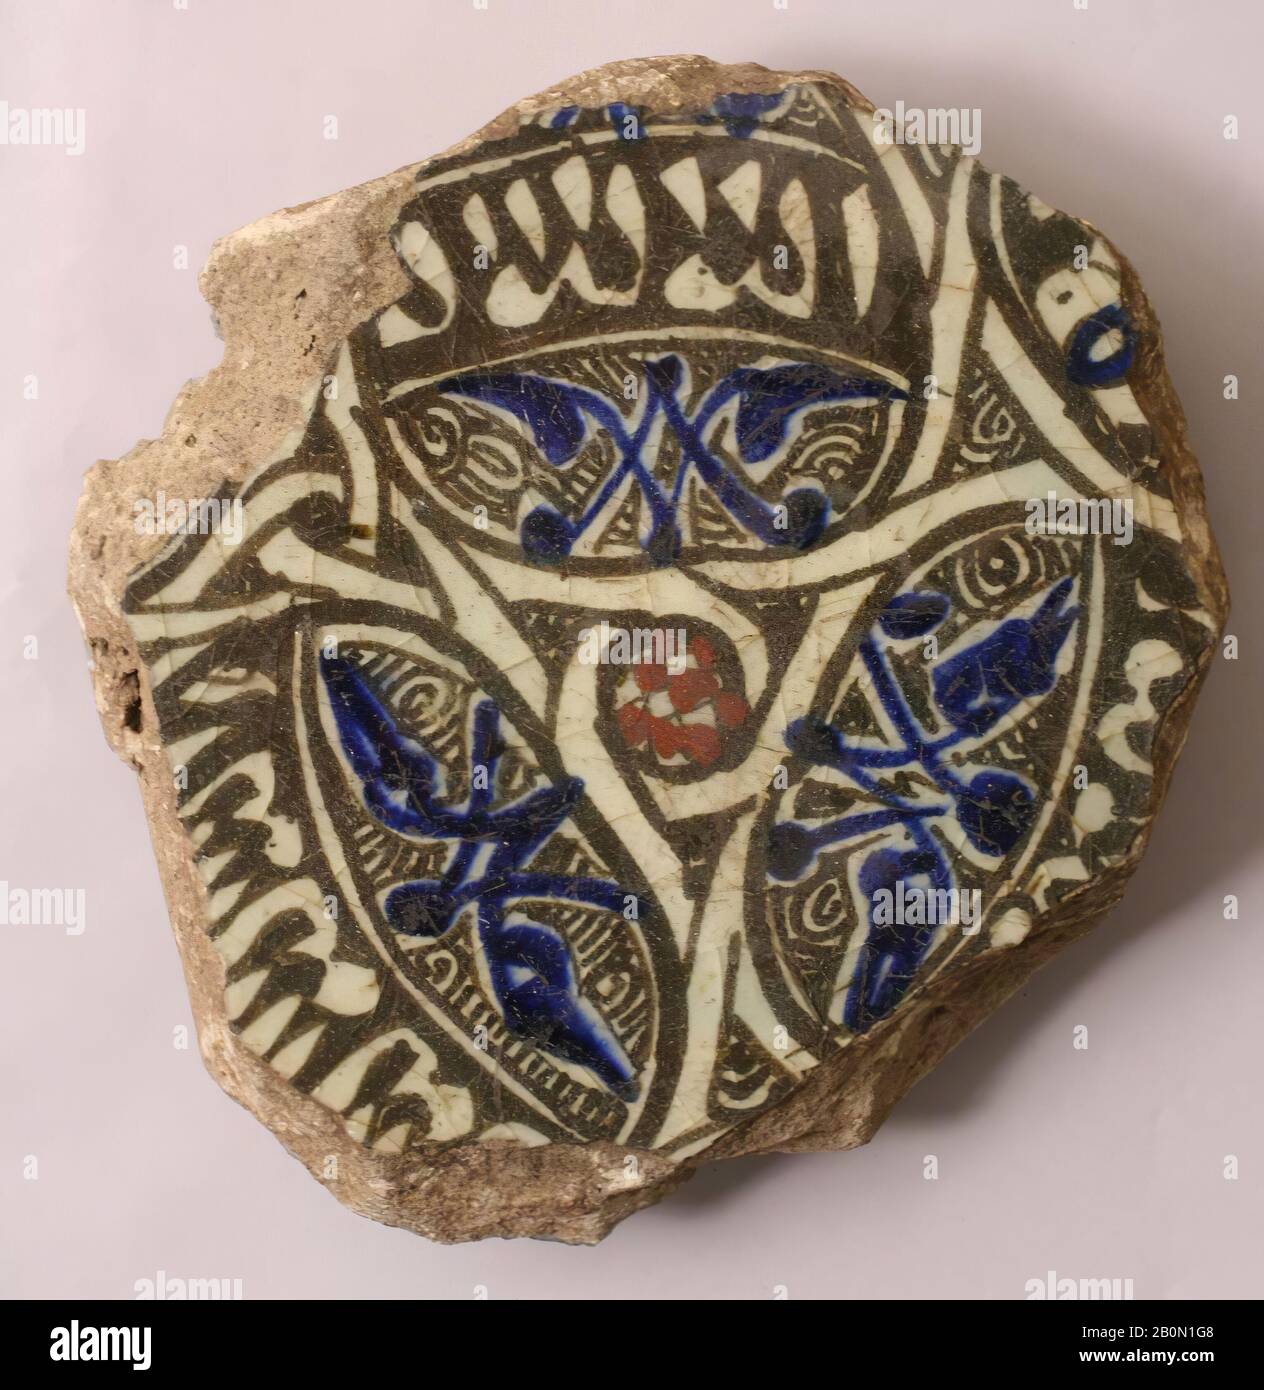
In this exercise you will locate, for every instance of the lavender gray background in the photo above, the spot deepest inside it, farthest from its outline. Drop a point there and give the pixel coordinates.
(203, 115)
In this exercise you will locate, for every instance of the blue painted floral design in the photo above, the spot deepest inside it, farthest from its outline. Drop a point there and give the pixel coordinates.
(560, 415)
(530, 965)
(973, 690)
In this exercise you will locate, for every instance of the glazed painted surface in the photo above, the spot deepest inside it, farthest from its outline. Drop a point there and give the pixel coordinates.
(741, 374)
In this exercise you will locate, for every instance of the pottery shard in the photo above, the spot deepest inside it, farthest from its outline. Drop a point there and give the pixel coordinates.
(663, 618)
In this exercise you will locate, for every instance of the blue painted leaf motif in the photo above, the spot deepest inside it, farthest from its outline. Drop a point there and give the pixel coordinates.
(978, 686)
(396, 773)
(529, 965)
(995, 808)
(913, 615)
(893, 951)
(996, 811)
(398, 777)
(549, 409)
(533, 976)
(559, 414)
(770, 397)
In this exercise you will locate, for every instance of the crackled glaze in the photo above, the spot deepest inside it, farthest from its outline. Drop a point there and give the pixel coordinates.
(741, 373)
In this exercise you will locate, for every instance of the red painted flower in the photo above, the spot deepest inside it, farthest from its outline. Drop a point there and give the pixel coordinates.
(686, 713)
